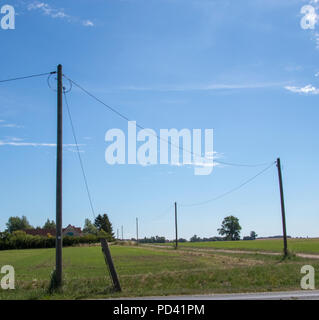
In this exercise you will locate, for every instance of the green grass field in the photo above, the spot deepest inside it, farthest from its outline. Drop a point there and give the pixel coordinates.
(148, 271)
(273, 245)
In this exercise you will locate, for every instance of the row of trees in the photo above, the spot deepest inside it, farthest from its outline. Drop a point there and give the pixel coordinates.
(155, 239)
(101, 224)
(230, 229)
(22, 224)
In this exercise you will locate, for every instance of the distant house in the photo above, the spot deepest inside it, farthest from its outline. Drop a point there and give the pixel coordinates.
(72, 231)
(68, 231)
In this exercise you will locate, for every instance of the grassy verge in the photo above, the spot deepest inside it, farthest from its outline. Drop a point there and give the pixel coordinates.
(274, 245)
(148, 271)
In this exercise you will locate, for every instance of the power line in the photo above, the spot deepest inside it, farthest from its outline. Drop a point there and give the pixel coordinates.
(163, 214)
(28, 77)
(79, 155)
(241, 164)
(230, 191)
(158, 137)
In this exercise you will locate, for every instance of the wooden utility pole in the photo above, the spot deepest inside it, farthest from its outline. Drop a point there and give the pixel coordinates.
(117, 234)
(122, 233)
(58, 268)
(110, 265)
(176, 238)
(282, 207)
(137, 231)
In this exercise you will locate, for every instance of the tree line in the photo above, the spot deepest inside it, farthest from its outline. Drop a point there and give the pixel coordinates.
(229, 231)
(101, 224)
(102, 227)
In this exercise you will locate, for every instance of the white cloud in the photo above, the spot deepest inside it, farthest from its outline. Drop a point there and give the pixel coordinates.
(47, 10)
(15, 139)
(55, 13)
(15, 143)
(309, 89)
(9, 125)
(88, 23)
(205, 87)
(208, 161)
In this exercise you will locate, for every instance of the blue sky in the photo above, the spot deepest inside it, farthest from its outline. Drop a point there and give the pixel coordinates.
(245, 68)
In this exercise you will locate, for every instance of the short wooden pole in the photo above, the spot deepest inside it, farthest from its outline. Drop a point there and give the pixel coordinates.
(110, 265)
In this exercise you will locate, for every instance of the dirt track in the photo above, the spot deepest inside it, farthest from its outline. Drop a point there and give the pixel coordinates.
(301, 255)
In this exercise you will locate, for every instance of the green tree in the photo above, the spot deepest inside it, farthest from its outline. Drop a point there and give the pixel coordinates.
(17, 223)
(89, 227)
(194, 238)
(103, 223)
(230, 228)
(49, 224)
(253, 235)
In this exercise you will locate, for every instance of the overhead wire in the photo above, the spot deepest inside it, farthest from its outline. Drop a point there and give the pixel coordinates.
(79, 154)
(230, 191)
(157, 136)
(143, 128)
(28, 77)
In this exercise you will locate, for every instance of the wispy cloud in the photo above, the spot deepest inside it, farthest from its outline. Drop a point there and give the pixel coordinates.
(204, 87)
(3, 124)
(207, 161)
(88, 23)
(15, 143)
(309, 89)
(14, 139)
(57, 13)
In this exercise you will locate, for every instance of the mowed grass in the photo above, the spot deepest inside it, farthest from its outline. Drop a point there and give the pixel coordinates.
(272, 245)
(147, 271)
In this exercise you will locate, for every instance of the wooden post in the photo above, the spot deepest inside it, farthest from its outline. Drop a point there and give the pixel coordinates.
(58, 245)
(283, 213)
(137, 231)
(110, 265)
(176, 237)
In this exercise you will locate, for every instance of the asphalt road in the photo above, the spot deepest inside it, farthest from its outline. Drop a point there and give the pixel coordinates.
(287, 295)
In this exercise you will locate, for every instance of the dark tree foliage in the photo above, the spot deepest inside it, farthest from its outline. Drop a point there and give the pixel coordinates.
(103, 223)
(155, 239)
(17, 224)
(253, 235)
(230, 228)
(89, 227)
(49, 224)
(195, 238)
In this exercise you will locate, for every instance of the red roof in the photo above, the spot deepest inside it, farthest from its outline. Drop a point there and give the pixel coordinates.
(44, 232)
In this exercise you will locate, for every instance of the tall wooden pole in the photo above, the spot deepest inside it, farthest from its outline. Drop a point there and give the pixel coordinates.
(176, 237)
(58, 268)
(283, 214)
(137, 231)
(122, 233)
